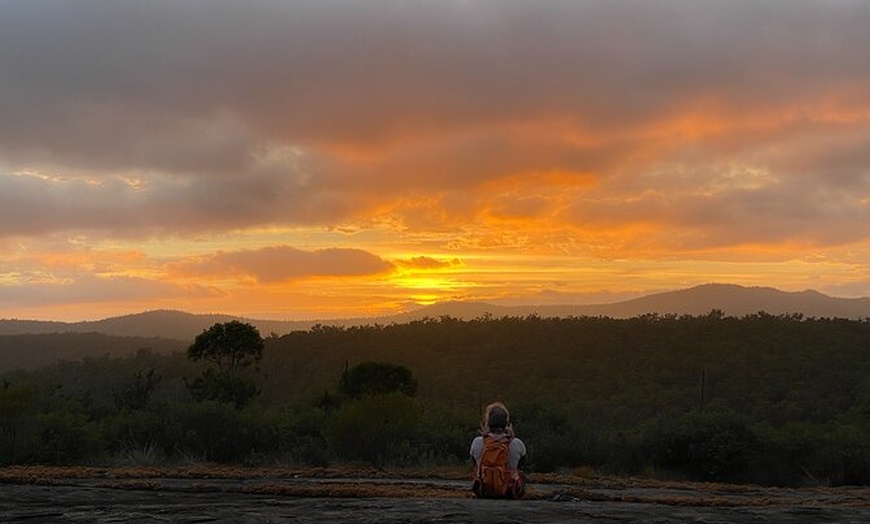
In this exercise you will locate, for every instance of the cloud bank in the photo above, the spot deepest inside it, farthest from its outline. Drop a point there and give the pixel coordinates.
(602, 129)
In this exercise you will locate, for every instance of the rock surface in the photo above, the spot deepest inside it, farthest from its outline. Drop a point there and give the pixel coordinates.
(188, 502)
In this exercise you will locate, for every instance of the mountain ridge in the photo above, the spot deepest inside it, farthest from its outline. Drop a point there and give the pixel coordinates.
(731, 299)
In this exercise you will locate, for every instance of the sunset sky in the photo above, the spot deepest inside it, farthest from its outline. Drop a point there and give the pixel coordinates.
(337, 158)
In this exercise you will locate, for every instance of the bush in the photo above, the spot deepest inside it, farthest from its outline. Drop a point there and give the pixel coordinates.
(16, 407)
(210, 431)
(222, 386)
(377, 378)
(708, 446)
(65, 438)
(445, 435)
(305, 431)
(554, 437)
(809, 455)
(377, 429)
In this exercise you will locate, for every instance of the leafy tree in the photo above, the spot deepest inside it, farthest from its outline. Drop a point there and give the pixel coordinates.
(231, 346)
(377, 378)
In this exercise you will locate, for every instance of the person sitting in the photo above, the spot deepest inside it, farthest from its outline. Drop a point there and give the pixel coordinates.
(496, 452)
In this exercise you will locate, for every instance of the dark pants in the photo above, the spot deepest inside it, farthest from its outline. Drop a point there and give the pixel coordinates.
(516, 488)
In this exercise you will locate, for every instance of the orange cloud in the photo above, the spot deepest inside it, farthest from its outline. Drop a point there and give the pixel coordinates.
(533, 143)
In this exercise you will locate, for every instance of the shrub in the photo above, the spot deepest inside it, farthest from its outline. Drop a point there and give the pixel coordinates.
(222, 386)
(377, 378)
(16, 406)
(377, 429)
(554, 437)
(65, 438)
(708, 446)
(209, 430)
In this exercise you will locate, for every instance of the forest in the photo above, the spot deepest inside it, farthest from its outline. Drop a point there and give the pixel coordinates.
(769, 399)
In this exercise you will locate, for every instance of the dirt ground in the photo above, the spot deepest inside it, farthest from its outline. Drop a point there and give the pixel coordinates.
(248, 496)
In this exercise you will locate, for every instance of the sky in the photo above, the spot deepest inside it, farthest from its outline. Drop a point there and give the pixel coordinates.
(338, 158)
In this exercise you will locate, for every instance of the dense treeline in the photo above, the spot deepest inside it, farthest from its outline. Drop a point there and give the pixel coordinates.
(762, 398)
(36, 351)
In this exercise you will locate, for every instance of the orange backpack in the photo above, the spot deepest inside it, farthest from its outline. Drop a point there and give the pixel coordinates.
(493, 475)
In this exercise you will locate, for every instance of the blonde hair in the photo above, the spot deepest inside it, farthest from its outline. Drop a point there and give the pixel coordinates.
(496, 417)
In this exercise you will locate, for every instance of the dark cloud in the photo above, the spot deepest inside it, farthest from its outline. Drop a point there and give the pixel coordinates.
(237, 114)
(90, 289)
(35, 205)
(283, 263)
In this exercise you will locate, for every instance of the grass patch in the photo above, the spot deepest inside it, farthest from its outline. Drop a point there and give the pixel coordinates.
(359, 481)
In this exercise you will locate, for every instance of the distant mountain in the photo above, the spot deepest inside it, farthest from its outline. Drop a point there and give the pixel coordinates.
(738, 301)
(162, 323)
(733, 300)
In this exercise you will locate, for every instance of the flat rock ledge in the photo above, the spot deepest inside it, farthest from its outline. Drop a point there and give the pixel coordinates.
(31, 495)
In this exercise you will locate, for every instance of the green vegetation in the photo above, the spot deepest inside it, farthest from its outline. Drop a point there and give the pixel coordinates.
(377, 378)
(231, 347)
(762, 398)
(37, 351)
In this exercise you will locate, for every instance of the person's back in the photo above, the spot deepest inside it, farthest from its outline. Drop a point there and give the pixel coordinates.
(496, 453)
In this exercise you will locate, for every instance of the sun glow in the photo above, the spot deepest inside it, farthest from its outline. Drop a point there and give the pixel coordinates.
(250, 185)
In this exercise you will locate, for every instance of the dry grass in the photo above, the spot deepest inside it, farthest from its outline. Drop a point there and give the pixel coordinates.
(32, 474)
(429, 483)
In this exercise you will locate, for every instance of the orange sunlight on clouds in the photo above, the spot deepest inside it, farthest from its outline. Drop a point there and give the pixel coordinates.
(313, 162)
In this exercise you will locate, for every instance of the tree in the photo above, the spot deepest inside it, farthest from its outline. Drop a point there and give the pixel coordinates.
(137, 393)
(231, 346)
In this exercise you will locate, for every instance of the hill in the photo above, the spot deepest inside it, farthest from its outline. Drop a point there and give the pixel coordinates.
(167, 324)
(732, 300)
(738, 301)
